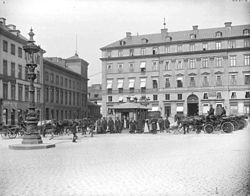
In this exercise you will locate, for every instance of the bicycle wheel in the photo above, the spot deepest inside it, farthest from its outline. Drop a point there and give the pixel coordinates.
(208, 128)
(12, 134)
(227, 127)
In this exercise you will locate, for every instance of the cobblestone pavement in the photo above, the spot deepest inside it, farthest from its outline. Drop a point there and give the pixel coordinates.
(130, 164)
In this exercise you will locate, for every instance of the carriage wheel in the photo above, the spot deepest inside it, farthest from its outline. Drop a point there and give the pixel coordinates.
(236, 125)
(227, 127)
(208, 128)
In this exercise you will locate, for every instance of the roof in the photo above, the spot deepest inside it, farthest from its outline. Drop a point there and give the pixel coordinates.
(130, 105)
(180, 35)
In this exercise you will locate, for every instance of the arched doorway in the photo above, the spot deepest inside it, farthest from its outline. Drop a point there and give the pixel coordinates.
(193, 105)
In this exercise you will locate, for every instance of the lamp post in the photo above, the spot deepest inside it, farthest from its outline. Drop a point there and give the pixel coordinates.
(32, 135)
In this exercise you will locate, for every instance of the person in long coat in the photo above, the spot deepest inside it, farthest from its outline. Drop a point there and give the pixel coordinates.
(140, 126)
(166, 124)
(117, 125)
(111, 125)
(132, 126)
(104, 125)
(98, 126)
(154, 126)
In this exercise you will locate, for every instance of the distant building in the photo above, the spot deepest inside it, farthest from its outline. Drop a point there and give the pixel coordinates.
(14, 84)
(180, 72)
(95, 94)
(94, 110)
(65, 88)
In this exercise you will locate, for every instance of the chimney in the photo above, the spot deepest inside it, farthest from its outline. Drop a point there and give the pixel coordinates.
(128, 35)
(11, 27)
(164, 31)
(228, 24)
(2, 21)
(195, 27)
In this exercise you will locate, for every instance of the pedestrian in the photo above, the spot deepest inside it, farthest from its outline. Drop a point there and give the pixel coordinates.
(166, 124)
(154, 126)
(223, 112)
(117, 125)
(140, 126)
(218, 110)
(73, 129)
(111, 125)
(104, 125)
(132, 126)
(161, 125)
(146, 129)
(98, 126)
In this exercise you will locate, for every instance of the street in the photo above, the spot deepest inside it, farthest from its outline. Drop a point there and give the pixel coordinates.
(129, 164)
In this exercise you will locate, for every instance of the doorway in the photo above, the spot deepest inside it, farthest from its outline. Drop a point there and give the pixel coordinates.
(192, 105)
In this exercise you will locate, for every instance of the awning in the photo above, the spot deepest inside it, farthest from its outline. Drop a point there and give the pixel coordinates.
(131, 83)
(179, 78)
(120, 84)
(143, 65)
(179, 109)
(143, 83)
(109, 84)
(155, 108)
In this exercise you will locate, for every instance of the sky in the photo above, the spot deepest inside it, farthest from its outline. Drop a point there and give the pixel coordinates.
(57, 24)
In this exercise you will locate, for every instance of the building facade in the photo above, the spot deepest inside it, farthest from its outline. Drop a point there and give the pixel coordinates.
(14, 84)
(95, 94)
(180, 72)
(65, 88)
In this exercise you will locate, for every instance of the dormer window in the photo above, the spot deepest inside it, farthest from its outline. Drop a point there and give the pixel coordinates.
(246, 32)
(144, 40)
(168, 38)
(122, 43)
(155, 50)
(218, 34)
(120, 53)
(192, 36)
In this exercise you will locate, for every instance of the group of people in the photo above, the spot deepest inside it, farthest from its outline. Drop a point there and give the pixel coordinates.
(218, 112)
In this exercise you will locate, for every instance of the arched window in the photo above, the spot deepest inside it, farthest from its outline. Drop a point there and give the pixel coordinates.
(122, 43)
(246, 32)
(218, 34)
(192, 36)
(144, 40)
(168, 38)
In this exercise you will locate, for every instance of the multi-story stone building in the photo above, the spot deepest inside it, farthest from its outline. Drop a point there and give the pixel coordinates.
(14, 84)
(182, 71)
(65, 88)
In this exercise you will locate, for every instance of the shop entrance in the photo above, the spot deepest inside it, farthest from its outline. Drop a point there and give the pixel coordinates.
(192, 105)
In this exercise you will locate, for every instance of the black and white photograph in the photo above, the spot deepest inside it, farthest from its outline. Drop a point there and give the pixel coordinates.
(124, 97)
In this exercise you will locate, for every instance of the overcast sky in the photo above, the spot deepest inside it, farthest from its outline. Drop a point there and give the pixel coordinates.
(100, 22)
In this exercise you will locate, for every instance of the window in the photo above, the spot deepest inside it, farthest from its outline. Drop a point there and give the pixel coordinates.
(70, 97)
(61, 96)
(61, 81)
(179, 82)
(205, 96)
(20, 52)
(204, 46)
(26, 93)
(218, 34)
(66, 97)
(205, 81)
(13, 91)
(192, 36)
(109, 53)
(57, 95)
(46, 76)
(155, 51)
(131, 67)
(217, 45)
(247, 59)
(38, 59)
(38, 95)
(179, 96)
(143, 66)
(191, 64)
(66, 82)
(167, 96)
(231, 44)
(131, 52)
(47, 94)
(247, 43)
(155, 65)
(109, 67)
(218, 95)
(192, 47)
(204, 62)
(143, 85)
(20, 71)
(233, 95)
(70, 83)
(179, 48)
(5, 46)
(179, 65)
(167, 49)
(143, 51)
(57, 79)
(247, 95)
(246, 32)
(26, 73)
(218, 81)
(120, 53)
(167, 65)
(167, 83)
(20, 92)
(109, 84)
(13, 49)
(109, 98)
(247, 79)
(192, 82)
(155, 84)
(155, 97)
(120, 84)
(131, 84)
(233, 80)
(5, 90)
(120, 67)
(52, 95)
(218, 61)
(232, 60)
(5, 67)
(13, 67)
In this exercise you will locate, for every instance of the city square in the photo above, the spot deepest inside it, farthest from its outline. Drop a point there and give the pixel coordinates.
(130, 164)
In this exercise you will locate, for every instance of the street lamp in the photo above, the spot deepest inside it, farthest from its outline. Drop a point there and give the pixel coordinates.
(32, 135)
